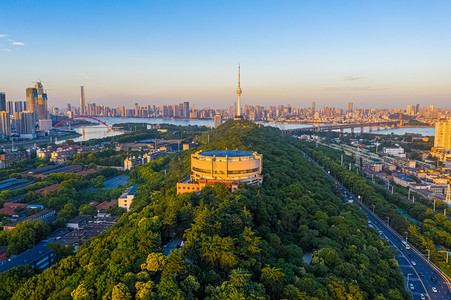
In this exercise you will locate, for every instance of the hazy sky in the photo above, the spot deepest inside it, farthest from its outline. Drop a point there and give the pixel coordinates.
(374, 53)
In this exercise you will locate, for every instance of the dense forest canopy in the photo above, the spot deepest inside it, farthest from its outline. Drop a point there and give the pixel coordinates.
(248, 244)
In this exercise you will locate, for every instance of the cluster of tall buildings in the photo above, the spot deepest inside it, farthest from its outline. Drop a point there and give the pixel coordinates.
(24, 118)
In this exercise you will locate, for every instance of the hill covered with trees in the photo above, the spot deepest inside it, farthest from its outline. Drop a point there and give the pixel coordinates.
(249, 244)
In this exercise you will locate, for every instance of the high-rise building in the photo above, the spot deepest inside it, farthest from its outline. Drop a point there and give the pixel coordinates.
(443, 135)
(25, 122)
(18, 106)
(2, 102)
(408, 110)
(82, 101)
(238, 91)
(217, 119)
(37, 101)
(313, 108)
(9, 107)
(350, 106)
(186, 110)
(5, 124)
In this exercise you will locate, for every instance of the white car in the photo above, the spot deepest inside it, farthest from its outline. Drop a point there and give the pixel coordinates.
(434, 289)
(413, 263)
(412, 287)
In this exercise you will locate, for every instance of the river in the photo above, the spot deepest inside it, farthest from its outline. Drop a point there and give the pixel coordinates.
(100, 131)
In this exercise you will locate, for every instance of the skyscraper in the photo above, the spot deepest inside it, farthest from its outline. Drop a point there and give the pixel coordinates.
(238, 91)
(18, 106)
(313, 108)
(408, 110)
(25, 122)
(217, 119)
(37, 101)
(350, 106)
(2, 102)
(186, 110)
(82, 101)
(9, 107)
(5, 124)
(443, 135)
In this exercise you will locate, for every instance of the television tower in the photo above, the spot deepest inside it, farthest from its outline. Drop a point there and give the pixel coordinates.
(238, 91)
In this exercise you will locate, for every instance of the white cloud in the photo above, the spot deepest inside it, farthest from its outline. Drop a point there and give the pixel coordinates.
(2, 35)
(7, 50)
(352, 78)
(18, 44)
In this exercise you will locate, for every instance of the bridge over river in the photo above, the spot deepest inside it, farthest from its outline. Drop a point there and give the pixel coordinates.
(341, 127)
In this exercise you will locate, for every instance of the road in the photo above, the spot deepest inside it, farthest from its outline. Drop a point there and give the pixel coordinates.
(417, 270)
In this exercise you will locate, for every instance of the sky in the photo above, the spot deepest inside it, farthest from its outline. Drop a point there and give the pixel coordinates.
(377, 54)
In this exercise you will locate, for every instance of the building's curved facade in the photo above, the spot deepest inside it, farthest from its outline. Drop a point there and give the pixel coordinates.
(227, 166)
(244, 166)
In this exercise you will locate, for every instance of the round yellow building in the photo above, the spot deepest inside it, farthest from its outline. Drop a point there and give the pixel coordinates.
(244, 166)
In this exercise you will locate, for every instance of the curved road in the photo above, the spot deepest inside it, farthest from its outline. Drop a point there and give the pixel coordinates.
(419, 273)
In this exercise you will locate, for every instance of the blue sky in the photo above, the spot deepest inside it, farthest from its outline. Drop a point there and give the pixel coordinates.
(374, 53)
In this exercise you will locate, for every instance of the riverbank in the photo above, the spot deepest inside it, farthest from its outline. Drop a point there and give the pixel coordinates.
(41, 141)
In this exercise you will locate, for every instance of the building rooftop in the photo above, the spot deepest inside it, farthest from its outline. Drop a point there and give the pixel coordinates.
(131, 191)
(224, 153)
(25, 258)
(80, 218)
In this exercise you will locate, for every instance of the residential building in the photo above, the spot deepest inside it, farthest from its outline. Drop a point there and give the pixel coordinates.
(2, 102)
(126, 199)
(5, 124)
(443, 135)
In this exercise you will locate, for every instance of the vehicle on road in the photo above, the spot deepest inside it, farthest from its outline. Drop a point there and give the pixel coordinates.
(422, 297)
(411, 287)
(410, 255)
(413, 263)
(405, 245)
(434, 289)
(433, 279)
(421, 274)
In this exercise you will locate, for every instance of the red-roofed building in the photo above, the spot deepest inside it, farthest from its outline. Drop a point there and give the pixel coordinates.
(50, 188)
(105, 204)
(86, 172)
(9, 209)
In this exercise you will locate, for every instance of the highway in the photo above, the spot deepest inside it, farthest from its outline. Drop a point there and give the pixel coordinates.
(422, 278)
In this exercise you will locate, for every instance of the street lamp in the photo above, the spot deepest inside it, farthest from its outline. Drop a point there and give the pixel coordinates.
(388, 221)
(406, 235)
(373, 208)
(429, 253)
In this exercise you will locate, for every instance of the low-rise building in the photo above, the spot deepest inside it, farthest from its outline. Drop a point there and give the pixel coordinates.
(45, 215)
(40, 256)
(126, 199)
(403, 180)
(79, 221)
(399, 152)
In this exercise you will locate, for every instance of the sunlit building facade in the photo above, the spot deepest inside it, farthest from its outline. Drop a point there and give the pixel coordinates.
(443, 135)
(229, 167)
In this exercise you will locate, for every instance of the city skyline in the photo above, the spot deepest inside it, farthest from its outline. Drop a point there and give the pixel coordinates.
(375, 55)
